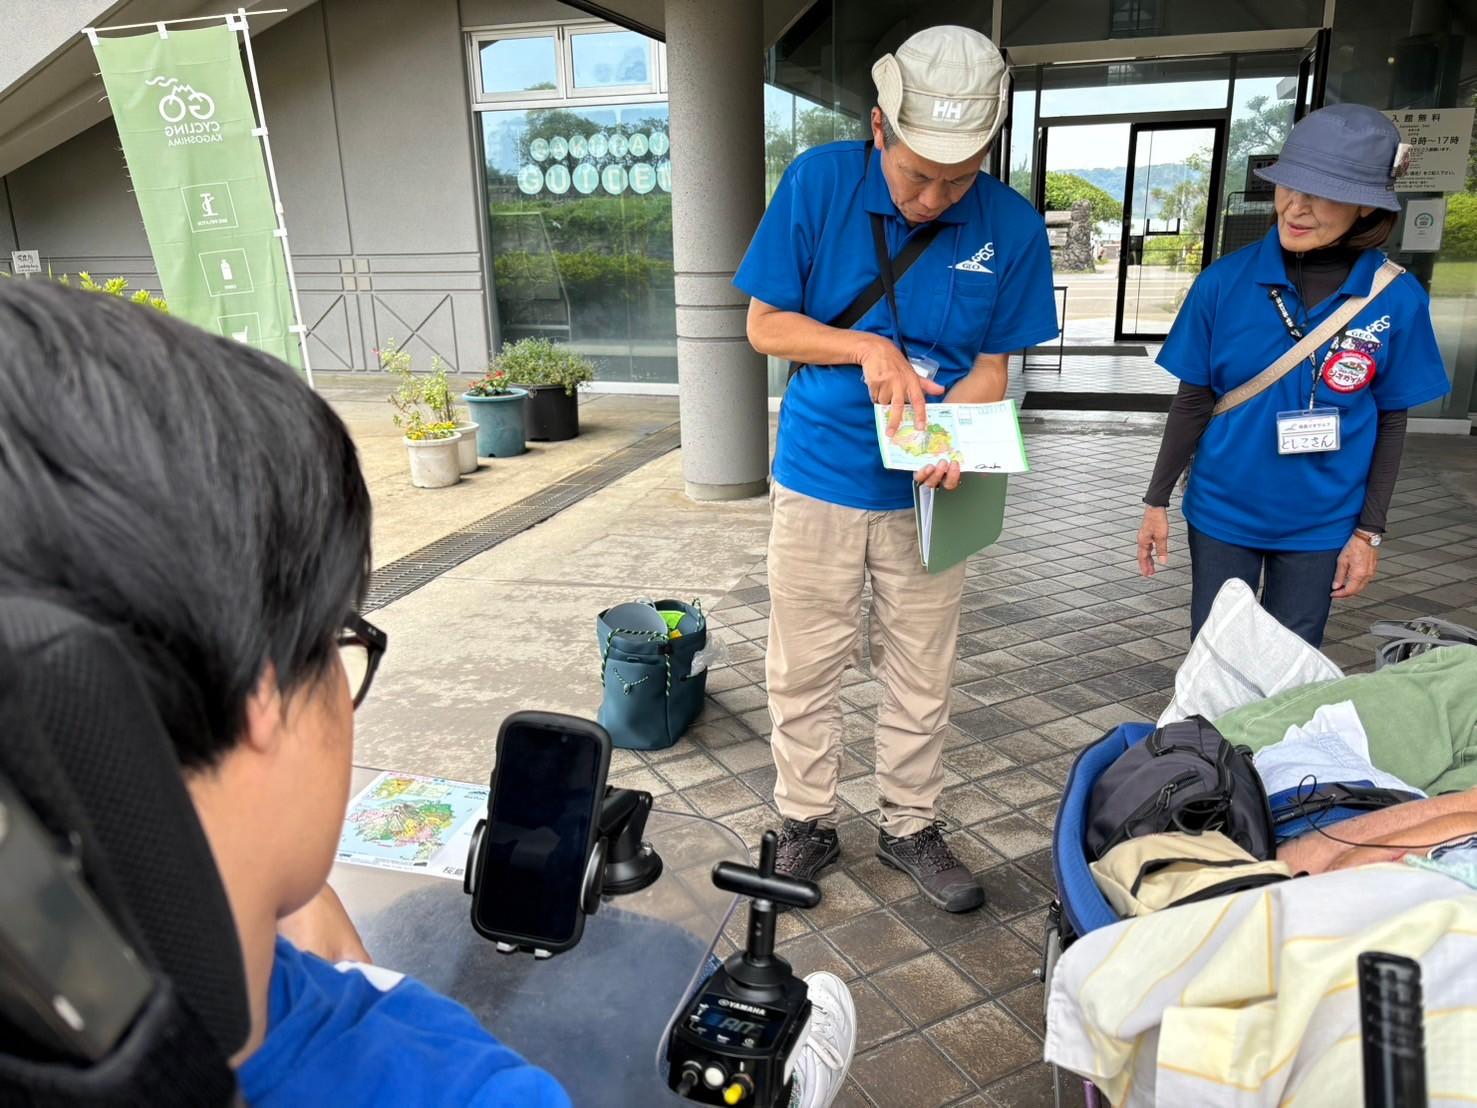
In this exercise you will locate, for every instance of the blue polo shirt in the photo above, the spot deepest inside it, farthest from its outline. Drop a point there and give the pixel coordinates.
(983, 286)
(1241, 490)
(364, 1036)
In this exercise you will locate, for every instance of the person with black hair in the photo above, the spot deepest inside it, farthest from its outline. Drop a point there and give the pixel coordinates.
(215, 518)
(1293, 474)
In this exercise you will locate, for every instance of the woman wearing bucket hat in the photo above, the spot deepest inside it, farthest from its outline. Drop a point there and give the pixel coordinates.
(1297, 358)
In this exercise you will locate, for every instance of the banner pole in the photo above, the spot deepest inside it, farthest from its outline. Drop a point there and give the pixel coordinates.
(238, 22)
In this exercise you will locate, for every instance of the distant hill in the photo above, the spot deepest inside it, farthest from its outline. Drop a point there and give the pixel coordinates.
(1113, 180)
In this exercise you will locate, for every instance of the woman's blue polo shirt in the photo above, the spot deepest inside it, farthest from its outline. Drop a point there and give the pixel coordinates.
(1241, 490)
(983, 286)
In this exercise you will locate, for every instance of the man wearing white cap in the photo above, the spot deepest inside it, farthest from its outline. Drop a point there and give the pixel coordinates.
(971, 275)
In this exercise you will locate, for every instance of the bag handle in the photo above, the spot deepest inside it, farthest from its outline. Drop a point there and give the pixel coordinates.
(1289, 361)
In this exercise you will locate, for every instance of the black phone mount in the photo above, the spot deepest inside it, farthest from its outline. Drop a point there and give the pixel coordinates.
(630, 862)
(735, 1042)
(620, 863)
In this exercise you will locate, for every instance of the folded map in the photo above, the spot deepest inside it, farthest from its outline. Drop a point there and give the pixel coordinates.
(982, 438)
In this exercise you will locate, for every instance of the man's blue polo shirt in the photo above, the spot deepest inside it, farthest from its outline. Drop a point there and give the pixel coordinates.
(1241, 490)
(983, 286)
(366, 1037)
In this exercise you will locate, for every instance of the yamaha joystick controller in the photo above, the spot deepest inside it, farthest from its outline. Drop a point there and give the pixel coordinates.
(736, 1042)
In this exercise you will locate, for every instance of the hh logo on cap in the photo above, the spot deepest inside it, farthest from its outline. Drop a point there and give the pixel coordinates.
(948, 110)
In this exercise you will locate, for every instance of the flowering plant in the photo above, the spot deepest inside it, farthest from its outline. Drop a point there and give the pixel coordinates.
(492, 383)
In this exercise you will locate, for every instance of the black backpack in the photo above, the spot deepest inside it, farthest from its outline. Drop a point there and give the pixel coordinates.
(1183, 777)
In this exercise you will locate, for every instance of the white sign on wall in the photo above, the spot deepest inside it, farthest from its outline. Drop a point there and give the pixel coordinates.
(25, 262)
(1423, 223)
(1440, 140)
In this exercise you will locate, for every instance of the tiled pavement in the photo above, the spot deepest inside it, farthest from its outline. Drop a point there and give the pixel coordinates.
(1061, 640)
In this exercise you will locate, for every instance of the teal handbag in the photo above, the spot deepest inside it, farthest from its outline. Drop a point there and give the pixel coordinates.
(651, 693)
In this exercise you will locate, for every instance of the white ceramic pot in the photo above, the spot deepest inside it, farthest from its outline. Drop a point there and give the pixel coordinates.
(435, 463)
(467, 447)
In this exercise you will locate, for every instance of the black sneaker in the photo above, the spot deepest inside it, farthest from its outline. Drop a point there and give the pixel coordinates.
(927, 859)
(804, 849)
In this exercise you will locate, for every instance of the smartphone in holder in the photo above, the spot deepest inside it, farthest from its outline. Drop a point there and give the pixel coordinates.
(533, 858)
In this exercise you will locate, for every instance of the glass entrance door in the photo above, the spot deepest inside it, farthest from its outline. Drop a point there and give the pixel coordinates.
(1174, 171)
(1079, 192)
(1313, 75)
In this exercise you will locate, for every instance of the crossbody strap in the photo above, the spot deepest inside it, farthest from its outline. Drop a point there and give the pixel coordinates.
(1310, 343)
(888, 275)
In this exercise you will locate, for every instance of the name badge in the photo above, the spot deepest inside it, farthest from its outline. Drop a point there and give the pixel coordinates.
(1311, 431)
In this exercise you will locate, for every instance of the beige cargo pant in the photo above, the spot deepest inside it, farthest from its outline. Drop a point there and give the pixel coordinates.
(819, 556)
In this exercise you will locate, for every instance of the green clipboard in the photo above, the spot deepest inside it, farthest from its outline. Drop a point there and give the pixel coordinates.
(954, 525)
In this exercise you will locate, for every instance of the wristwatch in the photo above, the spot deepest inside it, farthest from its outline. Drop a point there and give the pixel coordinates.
(1374, 538)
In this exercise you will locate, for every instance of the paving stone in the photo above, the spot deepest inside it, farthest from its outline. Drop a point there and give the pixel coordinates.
(812, 953)
(986, 1042)
(876, 940)
(927, 988)
(908, 1073)
(997, 959)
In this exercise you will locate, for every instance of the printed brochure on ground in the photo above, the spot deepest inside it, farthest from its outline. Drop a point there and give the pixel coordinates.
(408, 822)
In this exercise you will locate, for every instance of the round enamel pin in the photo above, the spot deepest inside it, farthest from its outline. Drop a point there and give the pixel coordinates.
(1348, 370)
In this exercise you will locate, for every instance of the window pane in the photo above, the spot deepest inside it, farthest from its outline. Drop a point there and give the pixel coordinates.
(611, 59)
(1146, 86)
(1034, 22)
(519, 65)
(580, 222)
(1261, 118)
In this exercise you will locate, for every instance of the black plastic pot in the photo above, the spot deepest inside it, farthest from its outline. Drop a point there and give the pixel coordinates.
(553, 415)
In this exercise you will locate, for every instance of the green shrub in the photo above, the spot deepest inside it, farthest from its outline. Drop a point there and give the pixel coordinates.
(538, 361)
(1065, 189)
(1459, 238)
(1175, 251)
(116, 286)
(585, 274)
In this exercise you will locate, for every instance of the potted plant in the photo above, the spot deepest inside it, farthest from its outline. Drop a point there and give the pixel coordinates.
(551, 374)
(498, 408)
(431, 444)
(438, 398)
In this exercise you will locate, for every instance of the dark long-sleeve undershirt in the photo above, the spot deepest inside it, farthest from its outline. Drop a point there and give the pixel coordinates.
(1190, 413)
(1317, 274)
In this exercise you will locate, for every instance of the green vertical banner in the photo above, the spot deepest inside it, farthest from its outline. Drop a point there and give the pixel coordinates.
(195, 156)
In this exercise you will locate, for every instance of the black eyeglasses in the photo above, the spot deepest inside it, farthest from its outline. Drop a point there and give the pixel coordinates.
(361, 645)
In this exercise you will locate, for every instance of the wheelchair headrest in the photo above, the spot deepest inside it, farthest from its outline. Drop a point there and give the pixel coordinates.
(98, 764)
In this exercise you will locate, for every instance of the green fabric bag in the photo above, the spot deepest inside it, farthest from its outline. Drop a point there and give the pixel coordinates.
(651, 693)
(1420, 716)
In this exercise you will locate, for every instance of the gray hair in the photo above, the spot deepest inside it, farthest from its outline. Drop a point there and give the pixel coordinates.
(889, 136)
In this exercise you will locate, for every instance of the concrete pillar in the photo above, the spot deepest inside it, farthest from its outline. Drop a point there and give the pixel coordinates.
(715, 80)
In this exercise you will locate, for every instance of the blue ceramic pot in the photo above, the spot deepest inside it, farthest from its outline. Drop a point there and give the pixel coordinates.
(500, 423)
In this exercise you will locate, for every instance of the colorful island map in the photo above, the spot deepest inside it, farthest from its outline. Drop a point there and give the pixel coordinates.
(981, 438)
(410, 822)
(933, 444)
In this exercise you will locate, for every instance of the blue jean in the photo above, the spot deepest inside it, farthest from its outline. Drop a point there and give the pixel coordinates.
(1297, 590)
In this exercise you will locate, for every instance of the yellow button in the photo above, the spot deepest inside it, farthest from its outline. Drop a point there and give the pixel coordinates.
(734, 1093)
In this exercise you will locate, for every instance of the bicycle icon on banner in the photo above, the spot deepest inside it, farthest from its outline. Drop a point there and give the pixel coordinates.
(173, 107)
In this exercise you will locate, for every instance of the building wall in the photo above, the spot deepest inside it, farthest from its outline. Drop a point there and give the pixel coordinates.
(7, 224)
(371, 133)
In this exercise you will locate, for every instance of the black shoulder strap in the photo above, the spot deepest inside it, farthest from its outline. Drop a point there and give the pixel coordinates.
(889, 272)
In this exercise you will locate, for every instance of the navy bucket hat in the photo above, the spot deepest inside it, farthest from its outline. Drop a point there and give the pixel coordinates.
(1344, 152)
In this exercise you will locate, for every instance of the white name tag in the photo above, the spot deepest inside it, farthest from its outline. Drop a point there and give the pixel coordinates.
(1313, 431)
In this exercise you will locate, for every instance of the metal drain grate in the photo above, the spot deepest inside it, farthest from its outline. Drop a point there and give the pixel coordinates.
(420, 567)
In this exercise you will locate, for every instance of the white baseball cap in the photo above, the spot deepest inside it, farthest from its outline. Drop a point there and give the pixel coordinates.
(945, 92)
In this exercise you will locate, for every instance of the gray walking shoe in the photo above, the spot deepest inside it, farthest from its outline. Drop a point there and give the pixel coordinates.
(927, 859)
(804, 849)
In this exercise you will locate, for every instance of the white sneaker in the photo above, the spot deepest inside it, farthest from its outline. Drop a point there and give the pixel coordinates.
(825, 1055)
